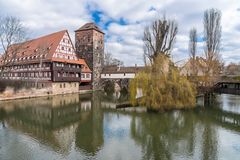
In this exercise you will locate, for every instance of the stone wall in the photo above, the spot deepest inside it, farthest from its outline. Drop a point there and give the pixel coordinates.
(89, 45)
(65, 87)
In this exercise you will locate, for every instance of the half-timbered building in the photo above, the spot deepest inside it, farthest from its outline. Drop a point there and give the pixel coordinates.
(49, 61)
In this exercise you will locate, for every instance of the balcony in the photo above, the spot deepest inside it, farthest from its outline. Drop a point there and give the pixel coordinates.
(66, 79)
(66, 69)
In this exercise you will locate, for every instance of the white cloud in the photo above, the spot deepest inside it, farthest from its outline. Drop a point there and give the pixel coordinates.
(125, 41)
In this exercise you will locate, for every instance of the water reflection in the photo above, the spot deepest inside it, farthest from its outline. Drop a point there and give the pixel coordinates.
(88, 127)
(89, 134)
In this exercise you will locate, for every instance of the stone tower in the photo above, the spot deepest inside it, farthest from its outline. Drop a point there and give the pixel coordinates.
(89, 44)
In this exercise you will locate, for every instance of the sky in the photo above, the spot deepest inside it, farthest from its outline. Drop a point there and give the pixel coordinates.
(124, 21)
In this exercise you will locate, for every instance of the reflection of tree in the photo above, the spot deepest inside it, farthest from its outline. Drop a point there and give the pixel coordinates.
(2, 116)
(209, 146)
(89, 134)
(164, 134)
(209, 135)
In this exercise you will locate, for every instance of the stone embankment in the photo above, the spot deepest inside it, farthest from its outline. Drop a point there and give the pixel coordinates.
(10, 94)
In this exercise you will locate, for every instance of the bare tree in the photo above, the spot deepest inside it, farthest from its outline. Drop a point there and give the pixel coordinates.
(192, 50)
(12, 33)
(109, 60)
(212, 35)
(159, 38)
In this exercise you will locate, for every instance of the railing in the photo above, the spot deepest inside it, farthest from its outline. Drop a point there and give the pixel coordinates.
(67, 69)
(67, 79)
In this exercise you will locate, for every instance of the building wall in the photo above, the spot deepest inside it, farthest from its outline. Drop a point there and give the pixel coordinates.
(98, 55)
(84, 46)
(86, 77)
(89, 45)
(65, 87)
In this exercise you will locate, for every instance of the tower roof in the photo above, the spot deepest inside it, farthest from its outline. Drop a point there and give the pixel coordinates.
(89, 26)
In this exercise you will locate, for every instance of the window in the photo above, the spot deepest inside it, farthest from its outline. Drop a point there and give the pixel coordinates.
(64, 85)
(83, 75)
(88, 75)
(60, 85)
(62, 48)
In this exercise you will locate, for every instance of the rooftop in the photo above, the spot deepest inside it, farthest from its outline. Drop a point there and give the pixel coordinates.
(89, 26)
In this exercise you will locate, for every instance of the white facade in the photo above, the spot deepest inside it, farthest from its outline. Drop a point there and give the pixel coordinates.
(118, 76)
(86, 77)
(65, 49)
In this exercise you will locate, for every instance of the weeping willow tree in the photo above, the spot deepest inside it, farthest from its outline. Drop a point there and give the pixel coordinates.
(162, 87)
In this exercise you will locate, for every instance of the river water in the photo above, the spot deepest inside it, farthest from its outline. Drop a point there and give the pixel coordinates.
(88, 127)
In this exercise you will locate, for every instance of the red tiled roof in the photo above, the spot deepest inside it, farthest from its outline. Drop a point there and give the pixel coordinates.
(43, 47)
(79, 61)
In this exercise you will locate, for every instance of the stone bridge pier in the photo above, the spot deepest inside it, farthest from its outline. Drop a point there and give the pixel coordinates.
(117, 84)
(120, 76)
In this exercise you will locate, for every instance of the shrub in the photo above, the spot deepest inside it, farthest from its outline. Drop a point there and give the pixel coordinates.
(163, 87)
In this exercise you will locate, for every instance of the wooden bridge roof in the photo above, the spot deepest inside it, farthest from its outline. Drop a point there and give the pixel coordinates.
(117, 69)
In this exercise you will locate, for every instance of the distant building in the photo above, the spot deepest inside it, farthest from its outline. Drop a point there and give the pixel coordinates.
(89, 44)
(49, 61)
(187, 68)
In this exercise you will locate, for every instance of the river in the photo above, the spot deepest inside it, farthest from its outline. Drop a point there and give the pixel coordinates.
(88, 127)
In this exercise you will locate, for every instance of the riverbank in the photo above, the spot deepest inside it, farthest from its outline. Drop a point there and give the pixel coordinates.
(14, 97)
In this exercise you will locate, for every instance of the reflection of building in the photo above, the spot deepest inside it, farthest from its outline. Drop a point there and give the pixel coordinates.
(51, 120)
(89, 134)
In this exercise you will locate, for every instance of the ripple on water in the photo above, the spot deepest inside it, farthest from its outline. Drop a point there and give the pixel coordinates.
(237, 147)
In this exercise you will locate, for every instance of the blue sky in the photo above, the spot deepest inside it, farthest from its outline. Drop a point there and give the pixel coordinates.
(123, 22)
